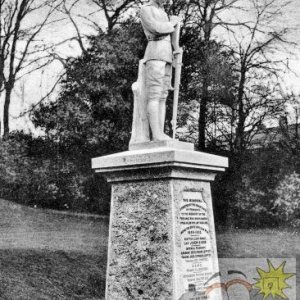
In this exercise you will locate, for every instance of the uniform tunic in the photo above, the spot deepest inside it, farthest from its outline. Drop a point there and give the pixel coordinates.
(156, 25)
(158, 55)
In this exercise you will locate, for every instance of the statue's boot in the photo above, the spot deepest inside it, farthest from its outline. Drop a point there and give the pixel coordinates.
(153, 110)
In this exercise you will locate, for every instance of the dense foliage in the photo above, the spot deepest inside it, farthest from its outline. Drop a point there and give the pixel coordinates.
(93, 112)
(260, 189)
(33, 172)
(91, 117)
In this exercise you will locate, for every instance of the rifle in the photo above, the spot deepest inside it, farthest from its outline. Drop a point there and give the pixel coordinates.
(178, 63)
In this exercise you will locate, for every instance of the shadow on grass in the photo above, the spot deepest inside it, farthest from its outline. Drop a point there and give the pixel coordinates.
(44, 274)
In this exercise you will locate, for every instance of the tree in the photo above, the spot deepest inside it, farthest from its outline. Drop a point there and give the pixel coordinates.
(94, 108)
(21, 49)
(289, 141)
(114, 11)
(256, 49)
(201, 20)
(252, 38)
(92, 115)
(74, 11)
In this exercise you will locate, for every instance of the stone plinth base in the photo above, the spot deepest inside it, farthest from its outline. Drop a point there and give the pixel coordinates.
(166, 144)
(162, 236)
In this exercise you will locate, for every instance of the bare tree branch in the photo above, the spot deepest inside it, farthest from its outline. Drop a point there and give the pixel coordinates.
(20, 47)
(32, 108)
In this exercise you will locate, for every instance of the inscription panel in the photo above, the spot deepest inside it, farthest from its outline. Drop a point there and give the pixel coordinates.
(196, 250)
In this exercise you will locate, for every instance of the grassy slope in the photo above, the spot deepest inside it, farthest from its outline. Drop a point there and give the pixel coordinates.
(44, 255)
(45, 274)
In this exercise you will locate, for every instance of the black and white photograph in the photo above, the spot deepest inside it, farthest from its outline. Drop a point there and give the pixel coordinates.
(149, 149)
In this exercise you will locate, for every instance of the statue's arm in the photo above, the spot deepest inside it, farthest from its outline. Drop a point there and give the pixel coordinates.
(152, 24)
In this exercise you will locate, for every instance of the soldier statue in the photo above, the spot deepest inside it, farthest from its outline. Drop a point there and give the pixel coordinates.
(158, 59)
(155, 71)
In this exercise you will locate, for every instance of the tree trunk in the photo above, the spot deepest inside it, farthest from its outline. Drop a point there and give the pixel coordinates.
(8, 91)
(240, 132)
(202, 115)
(205, 75)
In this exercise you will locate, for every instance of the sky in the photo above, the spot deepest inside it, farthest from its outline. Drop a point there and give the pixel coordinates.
(293, 81)
(35, 86)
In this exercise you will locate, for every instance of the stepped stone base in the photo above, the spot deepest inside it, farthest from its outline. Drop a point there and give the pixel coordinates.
(162, 237)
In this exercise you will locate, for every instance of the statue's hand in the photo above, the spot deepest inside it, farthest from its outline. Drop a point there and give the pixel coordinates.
(175, 53)
(174, 61)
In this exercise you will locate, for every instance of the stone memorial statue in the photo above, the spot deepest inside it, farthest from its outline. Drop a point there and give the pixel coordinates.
(162, 242)
(155, 72)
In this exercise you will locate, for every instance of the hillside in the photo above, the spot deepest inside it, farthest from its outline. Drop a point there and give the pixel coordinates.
(48, 255)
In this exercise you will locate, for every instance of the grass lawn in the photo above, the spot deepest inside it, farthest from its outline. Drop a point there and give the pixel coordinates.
(46, 274)
(258, 243)
(46, 255)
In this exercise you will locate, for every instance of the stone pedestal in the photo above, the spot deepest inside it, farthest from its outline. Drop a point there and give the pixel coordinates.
(162, 237)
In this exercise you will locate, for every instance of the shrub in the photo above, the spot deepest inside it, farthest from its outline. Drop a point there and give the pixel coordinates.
(34, 173)
(250, 207)
(244, 196)
(287, 202)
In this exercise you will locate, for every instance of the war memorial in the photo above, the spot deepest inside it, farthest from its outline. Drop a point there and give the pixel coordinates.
(162, 241)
